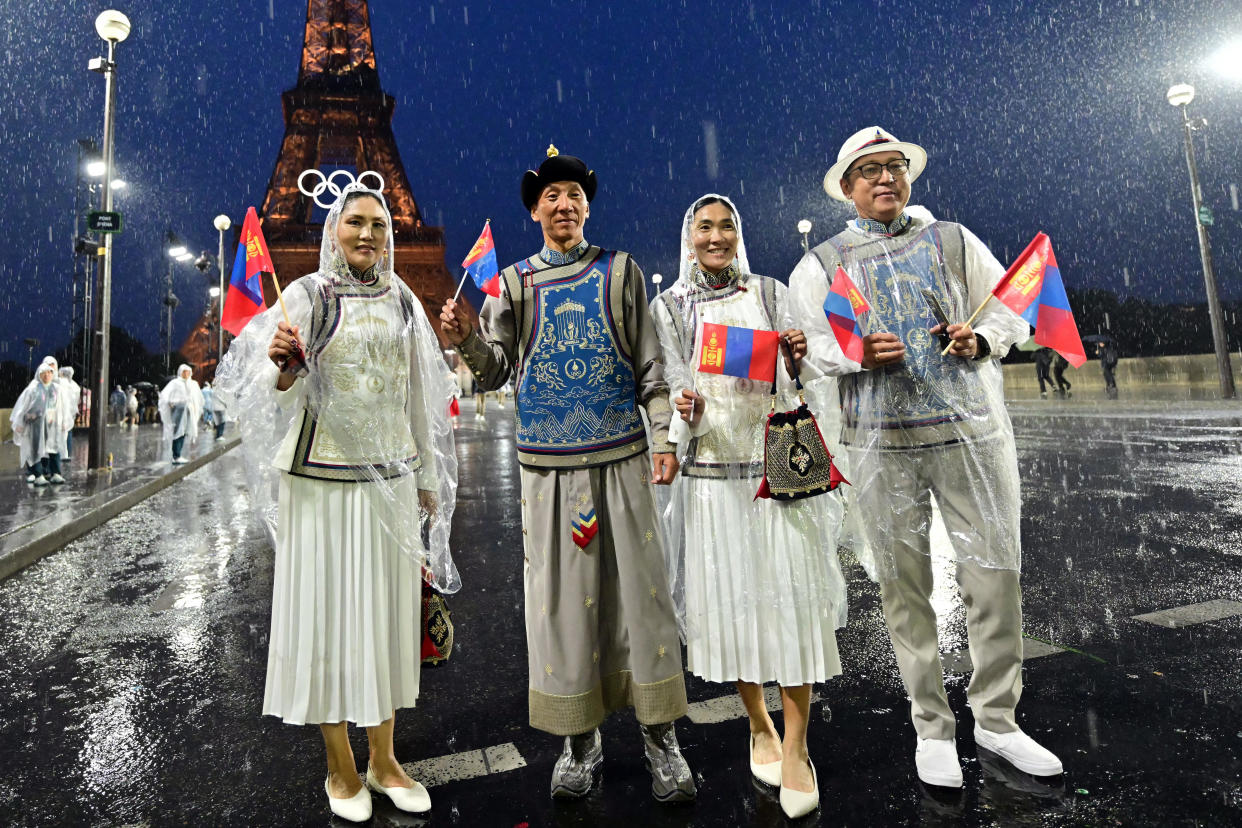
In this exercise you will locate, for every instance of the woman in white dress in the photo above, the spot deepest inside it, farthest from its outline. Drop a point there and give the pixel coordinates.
(350, 454)
(181, 405)
(763, 590)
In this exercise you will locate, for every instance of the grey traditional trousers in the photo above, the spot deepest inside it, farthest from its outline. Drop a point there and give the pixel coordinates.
(600, 628)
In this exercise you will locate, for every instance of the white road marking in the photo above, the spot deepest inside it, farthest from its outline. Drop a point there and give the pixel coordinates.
(1192, 613)
(468, 764)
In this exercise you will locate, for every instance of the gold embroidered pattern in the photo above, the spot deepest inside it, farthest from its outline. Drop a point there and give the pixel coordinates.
(660, 652)
(590, 602)
(547, 668)
(647, 536)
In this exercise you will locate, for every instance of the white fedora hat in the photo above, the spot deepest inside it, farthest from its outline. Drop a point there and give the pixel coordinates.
(865, 142)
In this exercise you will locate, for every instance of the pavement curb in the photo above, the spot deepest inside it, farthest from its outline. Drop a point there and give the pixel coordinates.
(24, 546)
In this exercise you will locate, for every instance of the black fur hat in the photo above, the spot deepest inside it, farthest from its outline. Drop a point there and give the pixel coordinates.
(557, 167)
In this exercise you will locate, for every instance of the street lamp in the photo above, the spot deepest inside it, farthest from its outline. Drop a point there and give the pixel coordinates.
(221, 223)
(1228, 60)
(656, 279)
(113, 27)
(804, 227)
(96, 169)
(1180, 95)
(119, 184)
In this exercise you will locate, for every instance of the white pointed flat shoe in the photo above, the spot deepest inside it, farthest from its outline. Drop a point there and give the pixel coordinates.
(413, 800)
(800, 803)
(355, 809)
(768, 773)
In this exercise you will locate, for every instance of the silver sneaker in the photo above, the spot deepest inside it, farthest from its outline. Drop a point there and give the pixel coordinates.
(671, 779)
(574, 771)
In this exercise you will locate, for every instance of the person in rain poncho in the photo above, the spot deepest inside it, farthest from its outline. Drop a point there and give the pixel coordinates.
(352, 468)
(34, 423)
(207, 409)
(764, 593)
(918, 424)
(219, 413)
(68, 401)
(181, 406)
(573, 330)
(131, 407)
(57, 447)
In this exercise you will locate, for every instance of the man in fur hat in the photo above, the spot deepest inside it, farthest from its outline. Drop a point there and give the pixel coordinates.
(923, 415)
(573, 330)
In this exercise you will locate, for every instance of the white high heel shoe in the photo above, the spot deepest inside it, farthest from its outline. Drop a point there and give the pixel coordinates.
(414, 800)
(355, 809)
(769, 773)
(800, 803)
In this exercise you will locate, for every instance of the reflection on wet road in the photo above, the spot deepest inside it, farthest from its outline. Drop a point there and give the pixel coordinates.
(133, 663)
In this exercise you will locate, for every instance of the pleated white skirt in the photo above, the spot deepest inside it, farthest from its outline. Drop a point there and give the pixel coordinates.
(346, 603)
(764, 590)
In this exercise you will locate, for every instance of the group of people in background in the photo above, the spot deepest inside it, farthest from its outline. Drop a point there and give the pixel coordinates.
(1046, 359)
(43, 419)
(51, 406)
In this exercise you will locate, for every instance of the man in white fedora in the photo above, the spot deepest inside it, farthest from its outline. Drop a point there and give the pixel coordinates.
(923, 418)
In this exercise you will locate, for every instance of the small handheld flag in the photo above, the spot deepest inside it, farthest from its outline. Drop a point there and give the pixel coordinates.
(737, 352)
(843, 305)
(1033, 289)
(480, 263)
(245, 297)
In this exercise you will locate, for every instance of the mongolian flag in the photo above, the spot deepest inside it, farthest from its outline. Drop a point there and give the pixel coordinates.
(843, 305)
(245, 296)
(737, 352)
(1035, 276)
(584, 527)
(480, 263)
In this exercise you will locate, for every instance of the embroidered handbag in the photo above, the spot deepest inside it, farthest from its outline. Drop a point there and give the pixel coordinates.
(437, 636)
(796, 461)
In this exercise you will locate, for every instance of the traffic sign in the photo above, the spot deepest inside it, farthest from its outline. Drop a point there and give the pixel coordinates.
(103, 222)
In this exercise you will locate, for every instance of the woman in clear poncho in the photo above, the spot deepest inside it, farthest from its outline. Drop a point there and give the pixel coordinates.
(758, 580)
(34, 426)
(181, 405)
(350, 452)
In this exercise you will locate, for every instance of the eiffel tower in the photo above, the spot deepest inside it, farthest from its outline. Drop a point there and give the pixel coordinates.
(338, 117)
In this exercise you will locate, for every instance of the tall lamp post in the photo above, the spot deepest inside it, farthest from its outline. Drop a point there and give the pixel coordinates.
(804, 227)
(113, 27)
(222, 223)
(1180, 95)
(176, 252)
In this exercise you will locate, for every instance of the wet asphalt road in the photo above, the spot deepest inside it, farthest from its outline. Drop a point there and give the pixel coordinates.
(132, 662)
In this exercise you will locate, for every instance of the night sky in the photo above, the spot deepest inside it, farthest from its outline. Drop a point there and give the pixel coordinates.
(1049, 118)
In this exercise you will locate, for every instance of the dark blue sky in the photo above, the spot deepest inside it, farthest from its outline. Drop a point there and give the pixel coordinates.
(1051, 117)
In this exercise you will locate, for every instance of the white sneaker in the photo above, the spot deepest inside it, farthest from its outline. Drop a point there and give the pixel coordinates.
(937, 762)
(40, 481)
(1021, 751)
(179, 460)
(30, 478)
(56, 478)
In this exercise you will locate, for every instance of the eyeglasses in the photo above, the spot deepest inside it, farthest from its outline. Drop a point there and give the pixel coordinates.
(897, 168)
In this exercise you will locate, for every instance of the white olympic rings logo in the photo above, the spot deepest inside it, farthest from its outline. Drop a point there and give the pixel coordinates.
(327, 184)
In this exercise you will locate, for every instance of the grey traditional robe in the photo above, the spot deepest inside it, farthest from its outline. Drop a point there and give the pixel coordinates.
(600, 628)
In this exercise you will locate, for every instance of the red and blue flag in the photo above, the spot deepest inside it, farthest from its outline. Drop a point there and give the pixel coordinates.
(1033, 289)
(843, 305)
(245, 297)
(738, 352)
(480, 263)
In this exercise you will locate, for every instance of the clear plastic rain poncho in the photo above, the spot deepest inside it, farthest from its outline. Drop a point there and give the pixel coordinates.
(34, 418)
(371, 411)
(181, 406)
(931, 428)
(731, 555)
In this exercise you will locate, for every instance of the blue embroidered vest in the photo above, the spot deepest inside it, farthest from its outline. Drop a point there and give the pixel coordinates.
(576, 391)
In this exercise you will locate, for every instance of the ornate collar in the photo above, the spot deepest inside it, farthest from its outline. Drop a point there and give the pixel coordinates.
(713, 281)
(366, 277)
(556, 257)
(894, 227)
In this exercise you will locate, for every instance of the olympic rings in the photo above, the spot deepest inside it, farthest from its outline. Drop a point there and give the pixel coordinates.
(328, 185)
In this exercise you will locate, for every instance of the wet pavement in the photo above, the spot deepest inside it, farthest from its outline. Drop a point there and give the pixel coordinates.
(133, 662)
